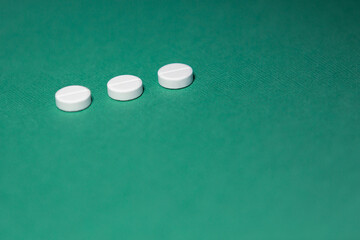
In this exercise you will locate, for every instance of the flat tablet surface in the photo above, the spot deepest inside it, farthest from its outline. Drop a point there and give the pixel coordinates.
(175, 76)
(125, 87)
(73, 98)
(264, 144)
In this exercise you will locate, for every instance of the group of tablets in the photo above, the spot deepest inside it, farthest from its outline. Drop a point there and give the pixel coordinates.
(124, 87)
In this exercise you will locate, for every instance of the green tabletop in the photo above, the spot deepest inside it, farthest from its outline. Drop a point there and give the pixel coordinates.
(265, 144)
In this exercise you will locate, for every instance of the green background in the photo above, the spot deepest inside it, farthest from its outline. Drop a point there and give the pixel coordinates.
(265, 144)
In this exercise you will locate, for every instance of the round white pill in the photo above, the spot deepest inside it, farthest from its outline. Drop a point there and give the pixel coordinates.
(175, 76)
(73, 98)
(125, 87)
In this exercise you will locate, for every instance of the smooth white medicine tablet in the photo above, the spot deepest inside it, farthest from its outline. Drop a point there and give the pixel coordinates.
(125, 87)
(175, 75)
(73, 98)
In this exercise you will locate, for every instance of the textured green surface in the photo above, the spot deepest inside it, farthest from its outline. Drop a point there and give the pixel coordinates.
(263, 145)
